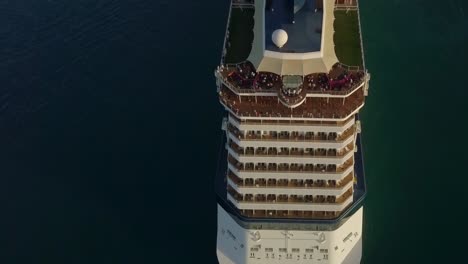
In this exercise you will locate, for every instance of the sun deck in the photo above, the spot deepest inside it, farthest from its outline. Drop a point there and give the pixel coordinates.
(240, 36)
(242, 77)
(347, 36)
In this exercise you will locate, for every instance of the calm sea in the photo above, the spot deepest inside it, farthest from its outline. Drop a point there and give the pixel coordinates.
(110, 129)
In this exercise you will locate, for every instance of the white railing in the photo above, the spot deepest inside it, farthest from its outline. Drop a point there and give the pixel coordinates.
(315, 93)
(288, 190)
(345, 7)
(297, 175)
(360, 37)
(226, 35)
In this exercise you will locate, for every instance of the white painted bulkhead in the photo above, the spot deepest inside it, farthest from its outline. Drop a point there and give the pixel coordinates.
(236, 245)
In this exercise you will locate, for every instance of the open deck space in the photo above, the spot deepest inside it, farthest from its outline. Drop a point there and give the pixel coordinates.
(270, 106)
(347, 38)
(302, 22)
(243, 78)
(239, 41)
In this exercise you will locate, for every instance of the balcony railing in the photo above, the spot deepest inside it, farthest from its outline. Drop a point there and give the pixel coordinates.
(289, 122)
(242, 78)
(292, 136)
(290, 152)
(346, 5)
(290, 214)
(285, 167)
(243, 3)
(289, 199)
(271, 107)
(290, 183)
(267, 208)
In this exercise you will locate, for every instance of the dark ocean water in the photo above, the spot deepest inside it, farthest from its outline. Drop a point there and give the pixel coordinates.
(110, 129)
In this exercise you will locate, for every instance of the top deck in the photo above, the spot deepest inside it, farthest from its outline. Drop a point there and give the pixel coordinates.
(346, 37)
(301, 19)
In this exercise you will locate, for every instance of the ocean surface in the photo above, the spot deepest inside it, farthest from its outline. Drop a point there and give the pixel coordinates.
(110, 130)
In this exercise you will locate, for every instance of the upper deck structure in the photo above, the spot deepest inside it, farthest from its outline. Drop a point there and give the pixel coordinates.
(295, 71)
(292, 79)
(305, 85)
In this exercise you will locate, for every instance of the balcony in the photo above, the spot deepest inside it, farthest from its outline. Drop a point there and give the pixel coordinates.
(243, 3)
(289, 122)
(289, 199)
(294, 214)
(289, 183)
(346, 4)
(290, 168)
(345, 166)
(261, 152)
(293, 92)
(290, 202)
(291, 136)
(271, 107)
(342, 80)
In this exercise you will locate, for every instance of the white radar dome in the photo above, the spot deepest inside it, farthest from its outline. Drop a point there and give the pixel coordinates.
(279, 37)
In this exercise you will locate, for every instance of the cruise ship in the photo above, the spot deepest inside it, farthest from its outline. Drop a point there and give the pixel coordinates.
(290, 181)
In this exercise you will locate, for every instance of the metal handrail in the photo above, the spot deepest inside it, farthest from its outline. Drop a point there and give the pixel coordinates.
(226, 34)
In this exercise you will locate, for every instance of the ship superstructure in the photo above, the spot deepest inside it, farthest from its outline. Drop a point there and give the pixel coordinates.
(290, 182)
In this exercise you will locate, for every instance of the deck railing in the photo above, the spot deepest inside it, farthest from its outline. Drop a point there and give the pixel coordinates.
(299, 153)
(289, 199)
(290, 183)
(292, 136)
(226, 35)
(285, 167)
(289, 122)
(222, 74)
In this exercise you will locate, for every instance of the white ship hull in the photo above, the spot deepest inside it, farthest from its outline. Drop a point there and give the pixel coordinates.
(236, 245)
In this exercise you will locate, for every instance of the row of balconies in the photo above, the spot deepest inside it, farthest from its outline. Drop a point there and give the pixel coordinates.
(289, 183)
(284, 198)
(288, 122)
(287, 167)
(290, 214)
(292, 152)
(290, 136)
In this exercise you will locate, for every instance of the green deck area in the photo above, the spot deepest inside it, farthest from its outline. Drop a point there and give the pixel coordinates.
(241, 35)
(347, 38)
